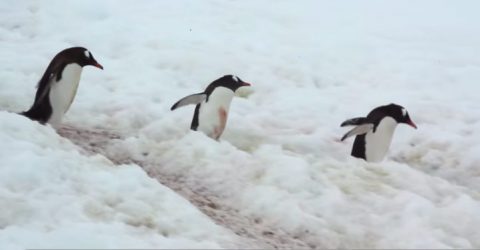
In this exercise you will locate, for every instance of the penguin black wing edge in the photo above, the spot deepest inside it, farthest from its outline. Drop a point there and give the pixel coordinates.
(354, 121)
(191, 99)
(358, 130)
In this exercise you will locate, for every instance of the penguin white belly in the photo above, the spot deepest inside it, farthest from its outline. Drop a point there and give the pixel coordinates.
(212, 117)
(62, 92)
(377, 144)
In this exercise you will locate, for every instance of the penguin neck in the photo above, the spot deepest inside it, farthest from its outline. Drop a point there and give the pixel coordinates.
(220, 97)
(378, 142)
(63, 92)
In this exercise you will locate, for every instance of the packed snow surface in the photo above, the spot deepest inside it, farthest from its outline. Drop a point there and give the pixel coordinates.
(312, 65)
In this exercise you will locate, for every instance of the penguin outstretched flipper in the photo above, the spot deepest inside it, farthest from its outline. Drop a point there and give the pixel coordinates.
(359, 130)
(354, 121)
(191, 99)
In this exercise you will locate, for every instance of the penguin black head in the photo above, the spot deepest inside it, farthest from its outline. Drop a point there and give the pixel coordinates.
(397, 112)
(78, 55)
(228, 81)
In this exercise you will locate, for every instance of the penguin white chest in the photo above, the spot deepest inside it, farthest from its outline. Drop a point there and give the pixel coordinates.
(62, 92)
(378, 142)
(212, 117)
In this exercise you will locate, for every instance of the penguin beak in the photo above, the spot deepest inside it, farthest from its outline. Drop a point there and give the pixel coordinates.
(246, 84)
(412, 124)
(98, 65)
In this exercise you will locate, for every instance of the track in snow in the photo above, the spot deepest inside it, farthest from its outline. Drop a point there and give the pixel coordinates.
(252, 232)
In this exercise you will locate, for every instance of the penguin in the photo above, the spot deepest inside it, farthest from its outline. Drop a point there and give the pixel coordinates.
(58, 85)
(212, 105)
(374, 133)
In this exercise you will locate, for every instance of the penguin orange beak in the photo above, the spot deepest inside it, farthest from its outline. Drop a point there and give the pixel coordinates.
(98, 65)
(412, 124)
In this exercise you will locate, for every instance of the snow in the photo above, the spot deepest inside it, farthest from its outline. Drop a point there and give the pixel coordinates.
(54, 197)
(312, 65)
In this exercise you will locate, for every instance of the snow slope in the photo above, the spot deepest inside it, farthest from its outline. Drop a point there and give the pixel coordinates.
(53, 197)
(312, 64)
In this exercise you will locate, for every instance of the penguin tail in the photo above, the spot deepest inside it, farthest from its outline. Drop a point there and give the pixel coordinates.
(38, 114)
(27, 114)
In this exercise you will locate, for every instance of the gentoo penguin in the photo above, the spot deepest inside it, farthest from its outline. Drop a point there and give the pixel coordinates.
(374, 132)
(58, 85)
(213, 104)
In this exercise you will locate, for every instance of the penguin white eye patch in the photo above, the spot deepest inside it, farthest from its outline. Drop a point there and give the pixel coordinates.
(87, 54)
(235, 78)
(404, 112)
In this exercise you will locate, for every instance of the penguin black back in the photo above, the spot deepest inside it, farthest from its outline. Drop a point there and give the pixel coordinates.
(212, 105)
(41, 108)
(358, 148)
(194, 124)
(374, 132)
(228, 81)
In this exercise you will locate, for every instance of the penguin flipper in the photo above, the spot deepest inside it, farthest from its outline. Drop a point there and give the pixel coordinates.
(354, 121)
(191, 99)
(358, 130)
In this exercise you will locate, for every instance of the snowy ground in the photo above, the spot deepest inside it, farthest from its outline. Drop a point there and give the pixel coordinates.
(279, 164)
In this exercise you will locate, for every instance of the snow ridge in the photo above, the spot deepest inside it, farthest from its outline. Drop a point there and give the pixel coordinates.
(253, 233)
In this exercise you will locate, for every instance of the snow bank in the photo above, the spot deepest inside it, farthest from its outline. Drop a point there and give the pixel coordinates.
(312, 64)
(53, 197)
(323, 201)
